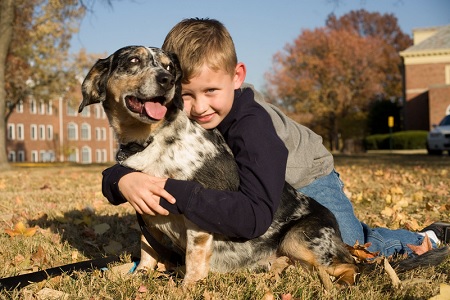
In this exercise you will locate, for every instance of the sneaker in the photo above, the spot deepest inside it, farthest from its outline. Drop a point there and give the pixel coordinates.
(442, 231)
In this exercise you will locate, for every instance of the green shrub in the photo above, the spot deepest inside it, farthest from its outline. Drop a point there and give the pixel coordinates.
(413, 139)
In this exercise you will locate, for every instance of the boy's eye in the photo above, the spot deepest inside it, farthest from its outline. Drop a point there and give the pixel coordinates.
(186, 96)
(211, 90)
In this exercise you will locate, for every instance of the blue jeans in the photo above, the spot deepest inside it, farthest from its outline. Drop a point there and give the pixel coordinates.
(328, 191)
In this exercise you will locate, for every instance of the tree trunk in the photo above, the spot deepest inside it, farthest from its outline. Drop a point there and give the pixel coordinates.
(6, 31)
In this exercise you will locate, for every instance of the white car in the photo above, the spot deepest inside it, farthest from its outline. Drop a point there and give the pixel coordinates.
(438, 139)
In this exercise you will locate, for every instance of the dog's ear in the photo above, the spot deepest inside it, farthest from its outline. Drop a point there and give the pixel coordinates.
(178, 100)
(94, 85)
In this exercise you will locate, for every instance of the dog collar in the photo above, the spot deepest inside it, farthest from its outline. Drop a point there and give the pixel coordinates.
(127, 150)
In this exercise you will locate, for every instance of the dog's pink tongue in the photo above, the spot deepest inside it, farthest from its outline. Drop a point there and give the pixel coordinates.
(155, 110)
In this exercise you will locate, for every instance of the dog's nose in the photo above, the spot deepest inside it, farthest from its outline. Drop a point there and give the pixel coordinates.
(165, 80)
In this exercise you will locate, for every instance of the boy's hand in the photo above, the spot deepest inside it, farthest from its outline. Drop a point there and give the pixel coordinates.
(143, 192)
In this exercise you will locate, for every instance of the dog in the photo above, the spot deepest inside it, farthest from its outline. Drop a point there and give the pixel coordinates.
(140, 90)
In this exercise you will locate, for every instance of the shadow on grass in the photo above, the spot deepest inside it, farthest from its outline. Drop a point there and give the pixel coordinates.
(95, 235)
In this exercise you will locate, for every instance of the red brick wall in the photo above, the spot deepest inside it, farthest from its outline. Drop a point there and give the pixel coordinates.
(439, 98)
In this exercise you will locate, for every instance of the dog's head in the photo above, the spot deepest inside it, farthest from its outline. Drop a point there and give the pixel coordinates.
(135, 84)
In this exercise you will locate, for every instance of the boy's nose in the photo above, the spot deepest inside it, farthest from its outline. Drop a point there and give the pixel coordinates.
(199, 106)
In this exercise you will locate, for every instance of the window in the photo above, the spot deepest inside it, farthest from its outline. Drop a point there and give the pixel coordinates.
(104, 155)
(73, 156)
(34, 156)
(447, 74)
(42, 132)
(47, 156)
(19, 107)
(49, 132)
(41, 107)
(33, 132)
(50, 108)
(98, 155)
(97, 134)
(21, 155)
(86, 155)
(86, 112)
(85, 132)
(72, 132)
(97, 112)
(103, 134)
(33, 106)
(20, 132)
(11, 132)
(11, 156)
(70, 110)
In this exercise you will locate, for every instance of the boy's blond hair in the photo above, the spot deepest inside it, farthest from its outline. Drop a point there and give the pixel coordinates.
(199, 41)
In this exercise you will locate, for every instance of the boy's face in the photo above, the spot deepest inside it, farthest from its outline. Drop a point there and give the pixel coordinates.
(208, 97)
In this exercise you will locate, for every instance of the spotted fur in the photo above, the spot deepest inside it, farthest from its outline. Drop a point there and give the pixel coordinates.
(179, 148)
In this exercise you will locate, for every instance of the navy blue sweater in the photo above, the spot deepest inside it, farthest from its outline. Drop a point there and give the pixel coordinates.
(261, 158)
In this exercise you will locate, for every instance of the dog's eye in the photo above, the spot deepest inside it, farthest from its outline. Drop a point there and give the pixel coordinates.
(134, 60)
(169, 68)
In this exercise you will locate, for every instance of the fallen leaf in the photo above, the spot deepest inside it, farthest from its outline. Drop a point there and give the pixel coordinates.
(361, 253)
(39, 257)
(422, 248)
(101, 228)
(113, 247)
(49, 294)
(21, 229)
(444, 293)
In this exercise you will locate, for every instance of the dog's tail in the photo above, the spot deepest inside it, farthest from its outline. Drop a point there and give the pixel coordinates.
(430, 258)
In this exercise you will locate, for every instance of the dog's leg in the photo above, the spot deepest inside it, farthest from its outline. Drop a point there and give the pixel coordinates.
(198, 254)
(149, 257)
(322, 250)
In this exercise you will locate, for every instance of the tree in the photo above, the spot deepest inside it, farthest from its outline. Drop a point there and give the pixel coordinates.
(321, 75)
(387, 29)
(333, 73)
(34, 43)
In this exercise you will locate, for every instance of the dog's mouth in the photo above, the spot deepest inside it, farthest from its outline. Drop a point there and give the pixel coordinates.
(152, 108)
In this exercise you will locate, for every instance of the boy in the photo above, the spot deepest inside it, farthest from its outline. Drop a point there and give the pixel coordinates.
(268, 147)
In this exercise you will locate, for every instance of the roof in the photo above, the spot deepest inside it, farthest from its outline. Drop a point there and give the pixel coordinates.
(439, 41)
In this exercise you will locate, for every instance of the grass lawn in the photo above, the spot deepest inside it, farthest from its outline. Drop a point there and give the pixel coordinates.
(67, 220)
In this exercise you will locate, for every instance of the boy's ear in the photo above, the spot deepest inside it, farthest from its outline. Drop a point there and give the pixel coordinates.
(239, 75)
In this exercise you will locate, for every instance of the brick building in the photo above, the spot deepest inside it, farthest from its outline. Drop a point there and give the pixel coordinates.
(426, 76)
(39, 131)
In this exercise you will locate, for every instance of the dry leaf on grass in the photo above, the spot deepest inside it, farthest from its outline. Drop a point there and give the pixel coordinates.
(422, 248)
(50, 294)
(360, 252)
(21, 229)
(444, 293)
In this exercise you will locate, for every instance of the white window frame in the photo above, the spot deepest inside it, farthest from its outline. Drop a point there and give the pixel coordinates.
(72, 131)
(85, 132)
(50, 108)
(11, 135)
(50, 132)
(34, 156)
(33, 132)
(19, 107)
(86, 155)
(20, 128)
(42, 132)
(33, 108)
(20, 155)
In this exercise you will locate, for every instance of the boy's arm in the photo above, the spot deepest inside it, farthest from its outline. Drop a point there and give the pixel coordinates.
(110, 183)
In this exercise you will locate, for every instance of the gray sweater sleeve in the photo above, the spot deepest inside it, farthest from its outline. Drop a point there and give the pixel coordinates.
(308, 158)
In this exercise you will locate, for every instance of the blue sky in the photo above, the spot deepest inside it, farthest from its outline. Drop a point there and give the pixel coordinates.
(259, 28)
